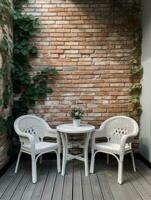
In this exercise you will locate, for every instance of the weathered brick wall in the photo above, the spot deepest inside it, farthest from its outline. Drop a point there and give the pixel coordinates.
(84, 40)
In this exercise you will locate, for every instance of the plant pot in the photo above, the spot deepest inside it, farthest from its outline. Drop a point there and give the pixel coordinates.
(76, 122)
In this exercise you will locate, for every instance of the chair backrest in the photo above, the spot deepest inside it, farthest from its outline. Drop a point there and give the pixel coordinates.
(116, 127)
(36, 126)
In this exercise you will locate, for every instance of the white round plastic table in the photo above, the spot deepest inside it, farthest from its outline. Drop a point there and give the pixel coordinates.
(67, 129)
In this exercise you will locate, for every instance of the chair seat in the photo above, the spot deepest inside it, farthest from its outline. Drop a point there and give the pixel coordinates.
(41, 147)
(110, 147)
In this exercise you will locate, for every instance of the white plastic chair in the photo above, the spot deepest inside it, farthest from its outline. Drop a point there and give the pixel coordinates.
(32, 130)
(119, 131)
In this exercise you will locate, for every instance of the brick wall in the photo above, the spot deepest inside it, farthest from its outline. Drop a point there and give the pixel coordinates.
(86, 41)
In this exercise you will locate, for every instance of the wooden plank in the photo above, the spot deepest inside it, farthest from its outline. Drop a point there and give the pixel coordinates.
(21, 186)
(139, 183)
(12, 187)
(96, 190)
(38, 190)
(117, 190)
(101, 185)
(77, 182)
(144, 171)
(50, 183)
(67, 189)
(124, 191)
(28, 191)
(7, 179)
(58, 189)
(106, 191)
(33, 191)
(86, 184)
(127, 189)
(9, 171)
(100, 168)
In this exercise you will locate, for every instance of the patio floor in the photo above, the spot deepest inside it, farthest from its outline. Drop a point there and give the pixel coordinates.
(74, 185)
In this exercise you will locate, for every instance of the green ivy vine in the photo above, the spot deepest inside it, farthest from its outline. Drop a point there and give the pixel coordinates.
(5, 10)
(27, 89)
(136, 71)
(6, 46)
(131, 21)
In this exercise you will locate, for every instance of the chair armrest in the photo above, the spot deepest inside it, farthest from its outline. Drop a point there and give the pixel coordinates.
(126, 139)
(98, 133)
(53, 133)
(27, 136)
(56, 135)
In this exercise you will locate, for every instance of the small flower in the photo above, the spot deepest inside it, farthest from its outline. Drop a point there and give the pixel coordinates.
(76, 113)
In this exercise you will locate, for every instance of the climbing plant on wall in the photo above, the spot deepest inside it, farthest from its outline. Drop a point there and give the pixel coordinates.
(136, 72)
(6, 46)
(27, 88)
(5, 10)
(130, 18)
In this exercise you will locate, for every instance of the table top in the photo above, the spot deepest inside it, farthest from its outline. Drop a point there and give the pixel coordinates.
(69, 128)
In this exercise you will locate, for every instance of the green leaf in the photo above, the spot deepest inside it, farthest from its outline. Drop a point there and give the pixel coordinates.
(1, 102)
(3, 125)
(135, 87)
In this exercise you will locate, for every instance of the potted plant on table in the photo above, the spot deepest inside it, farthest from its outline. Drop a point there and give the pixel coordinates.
(76, 114)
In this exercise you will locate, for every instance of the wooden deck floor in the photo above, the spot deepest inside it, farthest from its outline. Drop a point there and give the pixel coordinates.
(74, 185)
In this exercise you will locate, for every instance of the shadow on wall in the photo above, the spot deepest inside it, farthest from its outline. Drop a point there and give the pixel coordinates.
(146, 24)
(107, 17)
(145, 150)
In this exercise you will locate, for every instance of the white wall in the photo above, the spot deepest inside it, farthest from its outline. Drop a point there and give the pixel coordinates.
(145, 133)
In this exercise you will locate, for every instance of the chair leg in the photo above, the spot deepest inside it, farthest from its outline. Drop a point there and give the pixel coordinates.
(17, 163)
(120, 171)
(34, 169)
(133, 161)
(108, 159)
(92, 162)
(58, 161)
